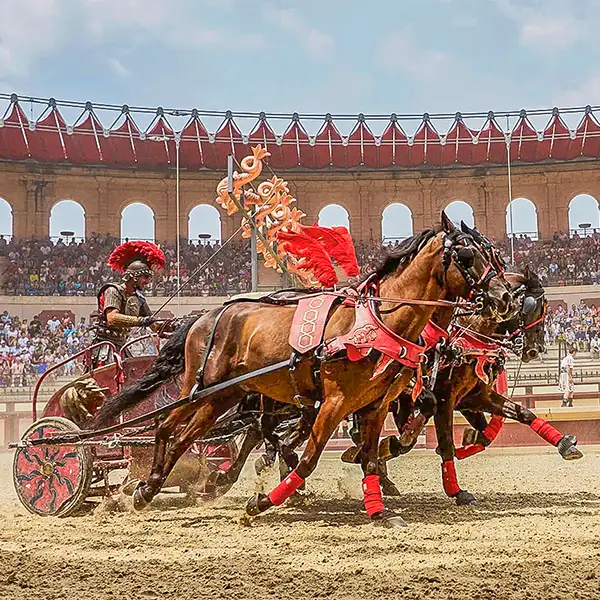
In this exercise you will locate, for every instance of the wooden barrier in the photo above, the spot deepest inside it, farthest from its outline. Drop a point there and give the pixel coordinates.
(583, 421)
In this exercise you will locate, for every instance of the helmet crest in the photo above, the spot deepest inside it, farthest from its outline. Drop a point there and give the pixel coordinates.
(136, 258)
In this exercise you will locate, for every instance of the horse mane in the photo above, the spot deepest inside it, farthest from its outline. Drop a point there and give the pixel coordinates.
(401, 255)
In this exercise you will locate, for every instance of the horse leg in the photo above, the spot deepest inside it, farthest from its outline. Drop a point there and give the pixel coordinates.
(444, 424)
(330, 416)
(252, 438)
(202, 418)
(565, 444)
(372, 418)
(271, 440)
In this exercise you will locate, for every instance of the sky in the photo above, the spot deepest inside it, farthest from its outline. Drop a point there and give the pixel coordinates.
(338, 56)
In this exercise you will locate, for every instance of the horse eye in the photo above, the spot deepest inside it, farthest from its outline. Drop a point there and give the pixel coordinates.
(466, 257)
(529, 305)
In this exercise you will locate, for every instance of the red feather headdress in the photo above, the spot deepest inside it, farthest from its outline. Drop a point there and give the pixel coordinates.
(338, 244)
(312, 255)
(122, 256)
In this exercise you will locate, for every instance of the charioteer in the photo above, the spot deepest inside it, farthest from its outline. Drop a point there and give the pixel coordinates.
(122, 306)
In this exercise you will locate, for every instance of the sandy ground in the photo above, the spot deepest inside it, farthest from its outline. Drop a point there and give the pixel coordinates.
(535, 534)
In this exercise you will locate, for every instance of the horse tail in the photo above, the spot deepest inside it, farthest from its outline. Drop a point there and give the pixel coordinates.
(169, 363)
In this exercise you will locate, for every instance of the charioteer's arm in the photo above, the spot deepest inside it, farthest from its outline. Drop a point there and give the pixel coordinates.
(119, 320)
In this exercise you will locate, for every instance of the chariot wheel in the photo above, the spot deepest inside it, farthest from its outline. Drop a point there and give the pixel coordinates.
(52, 480)
(218, 460)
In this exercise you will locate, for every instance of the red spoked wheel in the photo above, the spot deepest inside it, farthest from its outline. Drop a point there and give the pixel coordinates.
(52, 480)
(218, 458)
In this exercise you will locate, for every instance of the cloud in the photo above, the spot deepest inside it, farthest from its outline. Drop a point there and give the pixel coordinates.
(117, 67)
(29, 29)
(587, 93)
(318, 45)
(400, 53)
(548, 25)
(550, 33)
(216, 38)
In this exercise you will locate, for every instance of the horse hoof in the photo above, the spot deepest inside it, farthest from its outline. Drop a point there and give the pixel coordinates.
(261, 464)
(469, 437)
(464, 498)
(388, 488)
(257, 504)
(139, 502)
(572, 453)
(388, 448)
(389, 520)
(352, 455)
(567, 448)
(129, 488)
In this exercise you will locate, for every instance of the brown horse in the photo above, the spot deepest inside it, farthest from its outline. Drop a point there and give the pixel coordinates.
(244, 337)
(459, 387)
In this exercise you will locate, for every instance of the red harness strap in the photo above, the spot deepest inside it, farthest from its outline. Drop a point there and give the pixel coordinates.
(484, 352)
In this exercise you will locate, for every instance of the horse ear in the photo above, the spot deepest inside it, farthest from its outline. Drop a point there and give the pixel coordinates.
(447, 224)
(465, 228)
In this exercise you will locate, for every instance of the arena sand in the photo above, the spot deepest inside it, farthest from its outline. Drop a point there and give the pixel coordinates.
(535, 534)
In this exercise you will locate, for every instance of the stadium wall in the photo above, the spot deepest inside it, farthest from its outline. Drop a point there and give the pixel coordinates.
(32, 189)
(84, 306)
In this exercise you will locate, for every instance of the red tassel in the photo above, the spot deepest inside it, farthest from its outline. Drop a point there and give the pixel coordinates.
(449, 479)
(501, 383)
(546, 431)
(314, 258)
(338, 244)
(372, 494)
(286, 488)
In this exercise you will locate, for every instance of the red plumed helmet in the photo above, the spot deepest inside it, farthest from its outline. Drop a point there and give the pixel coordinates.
(144, 252)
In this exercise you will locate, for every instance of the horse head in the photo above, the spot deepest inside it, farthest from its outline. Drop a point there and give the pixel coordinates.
(473, 269)
(527, 326)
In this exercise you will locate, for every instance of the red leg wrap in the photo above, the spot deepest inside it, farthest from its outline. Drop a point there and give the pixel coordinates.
(466, 451)
(451, 486)
(494, 426)
(372, 494)
(286, 488)
(546, 431)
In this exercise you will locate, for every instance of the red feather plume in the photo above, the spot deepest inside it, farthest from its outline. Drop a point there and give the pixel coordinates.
(312, 255)
(122, 256)
(338, 244)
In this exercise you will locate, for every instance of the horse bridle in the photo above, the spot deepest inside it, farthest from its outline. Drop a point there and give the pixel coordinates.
(519, 332)
(463, 258)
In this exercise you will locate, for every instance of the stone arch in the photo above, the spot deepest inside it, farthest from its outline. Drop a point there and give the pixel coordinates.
(524, 218)
(583, 210)
(334, 215)
(67, 215)
(6, 219)
(137, 222)
(204, 219)
(396, 223)
(458, 211)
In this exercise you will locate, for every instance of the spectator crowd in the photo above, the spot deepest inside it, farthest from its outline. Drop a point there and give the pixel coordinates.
(39, 267)
(29, 348)
(577, 326)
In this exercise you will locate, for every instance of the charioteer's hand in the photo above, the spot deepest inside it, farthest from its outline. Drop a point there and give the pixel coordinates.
(147, 321)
